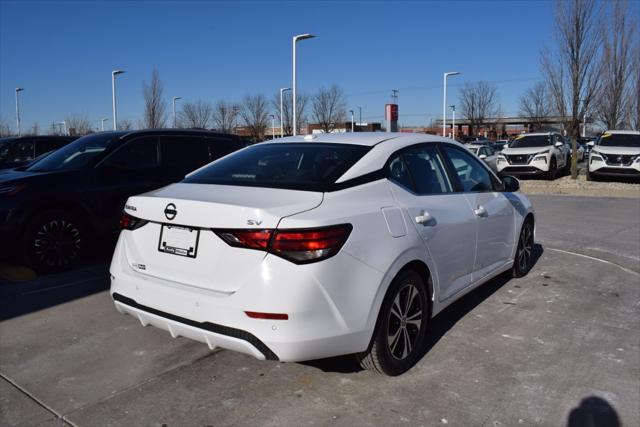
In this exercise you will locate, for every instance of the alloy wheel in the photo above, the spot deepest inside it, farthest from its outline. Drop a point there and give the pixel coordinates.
(525, 247)
(57, 243)
(405, 320)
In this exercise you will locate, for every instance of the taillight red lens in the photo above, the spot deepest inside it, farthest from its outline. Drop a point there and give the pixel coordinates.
(300, 246)
(129, 222)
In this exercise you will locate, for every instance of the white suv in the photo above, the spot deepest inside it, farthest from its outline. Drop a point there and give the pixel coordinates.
(615, 153)
(535, 154)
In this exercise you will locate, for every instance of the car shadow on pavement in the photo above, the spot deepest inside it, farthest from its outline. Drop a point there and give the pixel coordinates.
(439, 326)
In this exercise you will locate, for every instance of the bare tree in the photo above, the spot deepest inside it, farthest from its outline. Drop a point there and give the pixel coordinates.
(78, 124)
(635, 93)
(125, 124)
(616, 65)
(155, 107)
(571, 69)
(535, 105)
(329, 108)
(287, 108)
(478, 103)
(254, 113)
(224, 116)
(198, 114)
(5, 129)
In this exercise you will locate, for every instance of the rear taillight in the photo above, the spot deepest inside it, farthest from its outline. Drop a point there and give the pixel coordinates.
(300, 246)
(128, 222)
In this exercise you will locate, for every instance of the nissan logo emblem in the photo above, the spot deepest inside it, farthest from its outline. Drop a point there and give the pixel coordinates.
(170, 211)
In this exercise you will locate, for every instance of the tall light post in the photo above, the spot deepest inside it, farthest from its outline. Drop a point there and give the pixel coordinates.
(453, 121)
(174, 99)
(444, 102)
(293, 86)
(360, 116)
(351, 111)
(584, 118)
(273, 126)
(105, 119)
(18, 90)
(282, 91)
(114, 73)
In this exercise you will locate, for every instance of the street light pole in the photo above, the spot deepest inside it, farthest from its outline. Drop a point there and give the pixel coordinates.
(102, 123)
(114, 73)
(444, 102)
(453, 122)
(351, 111)
(293, 86)
(18, 90)
(273, 126)
(360, 116)
(174, 99)
(282, 90)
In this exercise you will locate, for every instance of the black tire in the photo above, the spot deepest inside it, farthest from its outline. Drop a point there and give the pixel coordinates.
(523, 260)
(400, 335)
(588, 175)
(551, 175)
(54, 241)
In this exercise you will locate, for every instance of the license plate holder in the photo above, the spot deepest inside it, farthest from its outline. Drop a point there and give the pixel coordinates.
(179, 240)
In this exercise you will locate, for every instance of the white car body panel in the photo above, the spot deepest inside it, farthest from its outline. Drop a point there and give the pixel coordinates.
(535, 160)
(623, 161)
(333, 304)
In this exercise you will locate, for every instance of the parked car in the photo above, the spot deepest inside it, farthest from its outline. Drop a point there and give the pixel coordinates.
(535, 154)
(616, 153)
(309, 247)
(485, 154)
(500, 144)
(18, 151)
(55, 206)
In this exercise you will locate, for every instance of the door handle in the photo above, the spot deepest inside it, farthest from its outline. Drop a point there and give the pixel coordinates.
(480, 211)
(424, 218)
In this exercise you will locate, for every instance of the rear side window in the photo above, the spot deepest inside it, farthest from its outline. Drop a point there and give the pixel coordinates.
(296, 166)
(137, 154)
(184, 153)
(46, 145)
(17, 151)
(221, 147)
(420, 169)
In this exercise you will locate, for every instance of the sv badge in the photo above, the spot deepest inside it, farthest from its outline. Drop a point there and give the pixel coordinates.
(253, 222)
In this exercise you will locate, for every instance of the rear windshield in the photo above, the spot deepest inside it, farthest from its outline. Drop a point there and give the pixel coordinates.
(296, 166)
(528, 141)
(619, 140)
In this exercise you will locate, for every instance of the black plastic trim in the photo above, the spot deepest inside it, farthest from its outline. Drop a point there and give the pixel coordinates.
(207, 326)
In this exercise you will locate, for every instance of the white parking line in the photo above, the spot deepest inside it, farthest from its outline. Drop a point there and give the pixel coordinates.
(635, 273)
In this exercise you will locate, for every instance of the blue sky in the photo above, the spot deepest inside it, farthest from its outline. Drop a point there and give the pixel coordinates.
(62, 52)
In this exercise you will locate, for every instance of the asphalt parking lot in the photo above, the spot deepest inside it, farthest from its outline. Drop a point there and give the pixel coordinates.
(552, 348)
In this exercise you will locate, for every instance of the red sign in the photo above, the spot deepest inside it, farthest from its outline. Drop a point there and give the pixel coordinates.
(391, 112)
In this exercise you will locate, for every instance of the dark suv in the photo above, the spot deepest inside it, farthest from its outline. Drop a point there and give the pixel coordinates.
(50, 210)
(19, 151)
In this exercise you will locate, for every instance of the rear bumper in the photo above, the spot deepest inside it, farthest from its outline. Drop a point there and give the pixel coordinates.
(322, 319)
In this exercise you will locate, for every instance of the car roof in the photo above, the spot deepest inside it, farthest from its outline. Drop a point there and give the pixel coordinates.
(624, 132)
(538, 134)
(368, 139)
(167, 131)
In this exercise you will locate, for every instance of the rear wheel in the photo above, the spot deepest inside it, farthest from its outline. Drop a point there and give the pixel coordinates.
(400, 334)
(524, 253)
(54, 241)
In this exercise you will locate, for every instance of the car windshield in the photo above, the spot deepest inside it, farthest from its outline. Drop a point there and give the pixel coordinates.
(474, 150)
(76, 155)
(295, 166)
(619, 140)
(527, 141)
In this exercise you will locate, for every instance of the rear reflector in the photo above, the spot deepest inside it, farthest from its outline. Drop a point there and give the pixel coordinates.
(300, 246)
(269, 316)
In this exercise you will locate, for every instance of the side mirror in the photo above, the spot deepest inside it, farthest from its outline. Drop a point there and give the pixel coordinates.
(511, 184)
(482, 156)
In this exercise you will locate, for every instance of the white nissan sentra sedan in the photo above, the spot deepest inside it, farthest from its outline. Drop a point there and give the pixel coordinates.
(317, 246)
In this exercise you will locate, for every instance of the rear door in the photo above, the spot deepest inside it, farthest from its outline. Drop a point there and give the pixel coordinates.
(441, 216)
(494, 214)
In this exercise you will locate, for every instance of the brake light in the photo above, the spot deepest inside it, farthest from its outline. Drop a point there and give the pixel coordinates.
(129, 222)
(300, 246)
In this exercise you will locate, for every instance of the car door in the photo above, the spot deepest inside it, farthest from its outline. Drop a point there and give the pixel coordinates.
(181, 155)
(132, 169)
(443, 218)
(494, 214)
